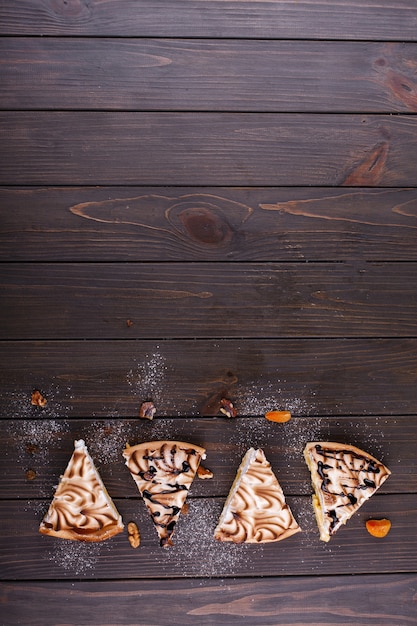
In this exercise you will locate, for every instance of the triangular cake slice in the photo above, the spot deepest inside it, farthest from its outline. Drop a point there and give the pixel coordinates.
(255, 510)
(81, 508)
(163, 472)
(343, 478)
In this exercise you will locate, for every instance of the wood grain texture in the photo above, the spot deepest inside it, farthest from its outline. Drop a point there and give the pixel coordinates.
(310, 377)
(205, 199)
(288, 19)
(92, 301)
(208, 75)
(76, 148)
(189, 224)
(291, 602)
(26, 554)
(32, 446)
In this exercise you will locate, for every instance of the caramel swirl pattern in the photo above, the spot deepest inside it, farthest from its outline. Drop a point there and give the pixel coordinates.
(255, 510)
(163, 472)
(81, 508)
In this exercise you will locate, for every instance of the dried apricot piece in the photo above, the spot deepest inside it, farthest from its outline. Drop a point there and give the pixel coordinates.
(278, 416)
(378, 527)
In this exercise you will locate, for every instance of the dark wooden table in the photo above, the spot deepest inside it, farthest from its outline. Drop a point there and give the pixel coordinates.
(203, 199)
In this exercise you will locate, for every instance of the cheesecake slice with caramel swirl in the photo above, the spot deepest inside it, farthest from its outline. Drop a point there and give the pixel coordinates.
(255, 510)
(81, 508)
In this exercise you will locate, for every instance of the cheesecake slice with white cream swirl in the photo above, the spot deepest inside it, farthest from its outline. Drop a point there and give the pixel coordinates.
(255, 510)
(81, 508)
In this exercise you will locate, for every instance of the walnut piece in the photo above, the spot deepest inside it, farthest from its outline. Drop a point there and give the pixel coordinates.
(30, 474)
(147, 410)
(227, 408)
(133, 535)
(204, 473)
(38, 399)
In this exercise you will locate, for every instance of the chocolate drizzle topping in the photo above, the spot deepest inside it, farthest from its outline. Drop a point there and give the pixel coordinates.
(345, 478)
(163, 472)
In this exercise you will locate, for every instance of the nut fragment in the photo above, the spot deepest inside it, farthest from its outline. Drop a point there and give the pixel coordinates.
(204, 473)
(38, 399)
(30, 474)
(278, 416)
(227, 408)
(378, 527)
(147, 410)
(133, 534)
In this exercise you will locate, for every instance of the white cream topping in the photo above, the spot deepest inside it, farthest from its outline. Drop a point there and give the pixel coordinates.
(81, 507)
(255, 510)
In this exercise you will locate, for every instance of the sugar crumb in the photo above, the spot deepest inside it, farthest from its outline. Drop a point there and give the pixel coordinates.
(199, 553)
(76, 557)
(147, 378)
(106, 439)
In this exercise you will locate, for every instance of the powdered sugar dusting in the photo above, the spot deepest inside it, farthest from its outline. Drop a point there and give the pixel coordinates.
(37, 507)
(197, 550)
(252, 432)
(107, 439)
(38, 427)
(76, 557)
(298, 432)
(303, 512)
(17, 404)
(256, 399)
(158, 429)
(33, 431)
(34, 441)
(146, 379)
(365, 435)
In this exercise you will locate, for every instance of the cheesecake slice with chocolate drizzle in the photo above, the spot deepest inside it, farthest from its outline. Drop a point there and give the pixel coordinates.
(343, 478)
(163, 472)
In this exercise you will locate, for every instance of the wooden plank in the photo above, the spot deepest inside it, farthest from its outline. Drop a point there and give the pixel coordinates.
(28, 555)
(284, 602)
(43, 447)
(208, 75)
(221, 224)
(288, 19)
(92, 301)
(309, 377)
(76, 148)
